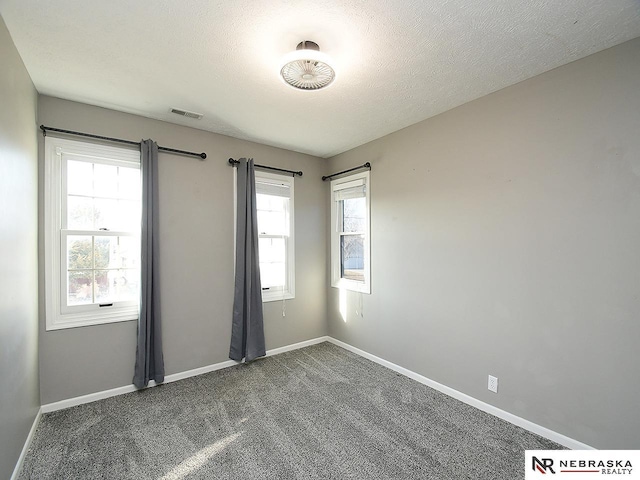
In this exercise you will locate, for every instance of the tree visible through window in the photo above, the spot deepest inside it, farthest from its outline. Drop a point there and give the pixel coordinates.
(92, 233)
(103, 203)
(353, 214)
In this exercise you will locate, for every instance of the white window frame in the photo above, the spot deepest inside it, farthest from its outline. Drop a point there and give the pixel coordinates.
(336, 280)
(57, 314)
(274, 294)
(289, 292)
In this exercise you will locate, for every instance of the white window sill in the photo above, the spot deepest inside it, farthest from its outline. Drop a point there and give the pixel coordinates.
(276, 296)
(343, 284)
(83, 320)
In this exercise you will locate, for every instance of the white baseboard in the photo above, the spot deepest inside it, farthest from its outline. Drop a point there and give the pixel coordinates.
(92, 397)
(18, 468)
(474, 402)
(296, 346)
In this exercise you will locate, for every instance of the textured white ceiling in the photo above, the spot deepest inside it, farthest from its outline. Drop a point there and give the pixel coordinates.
(397, 61)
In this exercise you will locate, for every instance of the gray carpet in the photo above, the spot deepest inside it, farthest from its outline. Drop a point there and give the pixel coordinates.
(316, 413)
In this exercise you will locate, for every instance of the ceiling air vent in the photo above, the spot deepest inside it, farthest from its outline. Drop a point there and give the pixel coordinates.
(185, 113)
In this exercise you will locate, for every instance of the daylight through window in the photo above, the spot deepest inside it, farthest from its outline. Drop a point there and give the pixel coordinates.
(350, 266)
(274, 204)
(92, 229)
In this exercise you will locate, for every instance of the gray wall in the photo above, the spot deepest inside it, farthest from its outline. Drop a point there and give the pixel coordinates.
(504, 232)
(19, 397)
(505, 241)
(196, 229)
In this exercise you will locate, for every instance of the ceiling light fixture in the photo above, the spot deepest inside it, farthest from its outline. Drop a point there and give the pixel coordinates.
(307, 68)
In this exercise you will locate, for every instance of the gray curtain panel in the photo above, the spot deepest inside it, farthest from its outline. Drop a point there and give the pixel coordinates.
(149, 359)
(247, 330)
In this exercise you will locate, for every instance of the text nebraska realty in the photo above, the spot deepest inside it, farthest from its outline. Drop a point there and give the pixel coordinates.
(607, 467)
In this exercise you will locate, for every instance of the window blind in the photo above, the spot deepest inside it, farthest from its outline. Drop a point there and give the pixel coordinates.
(275, 189)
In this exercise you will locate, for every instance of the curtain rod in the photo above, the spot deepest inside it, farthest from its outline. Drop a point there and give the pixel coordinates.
(366, 165)
(233, 163)
(119, 140)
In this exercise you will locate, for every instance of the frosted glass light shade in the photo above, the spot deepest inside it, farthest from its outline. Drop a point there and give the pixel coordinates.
(307, 68)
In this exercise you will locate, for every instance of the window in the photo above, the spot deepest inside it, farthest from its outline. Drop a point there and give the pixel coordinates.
(274, 204)
(350, 238)
(92, 233)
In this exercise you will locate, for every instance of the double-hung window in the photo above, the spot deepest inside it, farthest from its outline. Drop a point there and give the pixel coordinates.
(92, 233)
(350, 233)
(274, 204)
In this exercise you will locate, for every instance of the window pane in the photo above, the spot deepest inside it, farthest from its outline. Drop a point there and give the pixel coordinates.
(272, 214)
(272, 274)
(116, 285)
(272, 254)
(120, 210)
(126, 284)
(272, 250)
(129, 183)
(79, 287)
(106, 212)
(353, 214)
(80, 213)
(262, 202)
(105, 250)
(79, 178)
(272, 223)
(122, 215)
(79, 252)
(129, 216)
(128, 252)
(104, 292)
(117, 252)
(352, 257)
(105, 180)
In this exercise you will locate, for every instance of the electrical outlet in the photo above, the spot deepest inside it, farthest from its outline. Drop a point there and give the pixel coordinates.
(493, 384)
